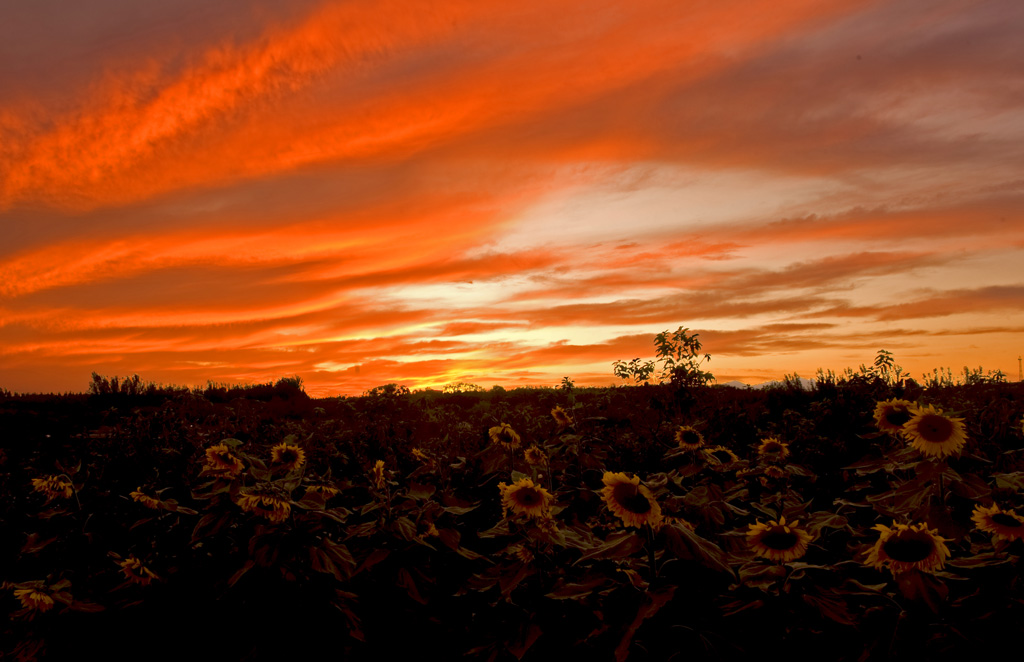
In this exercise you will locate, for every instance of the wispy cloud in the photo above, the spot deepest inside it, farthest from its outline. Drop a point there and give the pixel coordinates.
(505, 192)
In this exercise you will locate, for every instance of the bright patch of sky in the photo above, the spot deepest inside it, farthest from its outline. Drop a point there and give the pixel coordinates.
(576, 335)
(652, 199)
(452, 295)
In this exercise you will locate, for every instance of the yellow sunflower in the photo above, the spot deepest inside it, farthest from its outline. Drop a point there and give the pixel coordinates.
(535, 456)
(219, 458)
(377, 473)
(287, 456)
(931, 433)
(908, 547)
(891, 415)
(420, 455)
(524, 555)
(688, 438)
(524, 497)
(135, 572)
(773, 450)
(775, 472)
(721, 455)
(504, 434)
(146, 500)
(274, 509)
(54, 487)
(561, 417)
(325, 490)
(1004, 524)
(629, 500)
(34, 599)
(778, 541)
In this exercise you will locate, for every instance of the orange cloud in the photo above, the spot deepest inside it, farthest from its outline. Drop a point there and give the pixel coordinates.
(339, 84)
(991, 299)
(346, 190)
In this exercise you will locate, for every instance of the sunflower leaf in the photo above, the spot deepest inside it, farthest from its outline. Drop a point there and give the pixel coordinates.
(340, 555)
(86, 607)
(653, 602)
(527, 635)
(375, 557)
(686, 544)
(830, 608)
(971, 487)
(421, 491)
(764, 510)
(322, 563)
(737, 606)
(1012, 481)
(406, 581)
(311, 501)
(508, 581)
(980, 560)
(450, 538)
(246, 567)
(853, 587)
(822, 519)
(573, 591)
(34, 545)
(618, 545)
(405, 528)
(761, 575)
(924, 588)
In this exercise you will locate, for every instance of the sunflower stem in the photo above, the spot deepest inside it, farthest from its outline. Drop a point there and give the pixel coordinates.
(74, 492)
(579, 459)
(785, 578)
(651, 563)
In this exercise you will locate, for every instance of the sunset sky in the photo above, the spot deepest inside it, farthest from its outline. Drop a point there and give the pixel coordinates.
(494, 192)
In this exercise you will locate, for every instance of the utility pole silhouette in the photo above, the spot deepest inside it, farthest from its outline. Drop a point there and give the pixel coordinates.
(1020, 370)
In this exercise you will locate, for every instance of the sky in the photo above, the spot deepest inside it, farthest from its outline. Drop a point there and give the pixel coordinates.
(374, 191)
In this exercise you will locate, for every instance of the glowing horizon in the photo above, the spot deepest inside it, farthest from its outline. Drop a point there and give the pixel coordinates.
(359, 193)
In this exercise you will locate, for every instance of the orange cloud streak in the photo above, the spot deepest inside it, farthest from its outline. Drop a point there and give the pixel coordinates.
(149, 129)
(332, 192)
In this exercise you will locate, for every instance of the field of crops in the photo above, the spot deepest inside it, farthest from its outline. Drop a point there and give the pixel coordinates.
(854, 521)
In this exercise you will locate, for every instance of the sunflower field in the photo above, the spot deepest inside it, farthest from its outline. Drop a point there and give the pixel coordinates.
(858, 520)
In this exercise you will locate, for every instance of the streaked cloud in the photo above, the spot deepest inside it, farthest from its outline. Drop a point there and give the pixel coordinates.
(365, 192)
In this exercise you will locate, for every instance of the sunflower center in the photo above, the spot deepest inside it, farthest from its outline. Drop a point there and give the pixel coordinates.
(224, 460)
(690, 438)
(1003, 519)
(527, 496)
(897, 416)
(721, 456)
(935, 429)
(772, 447)
(778, 539)
(627, 496)
(909, 548)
